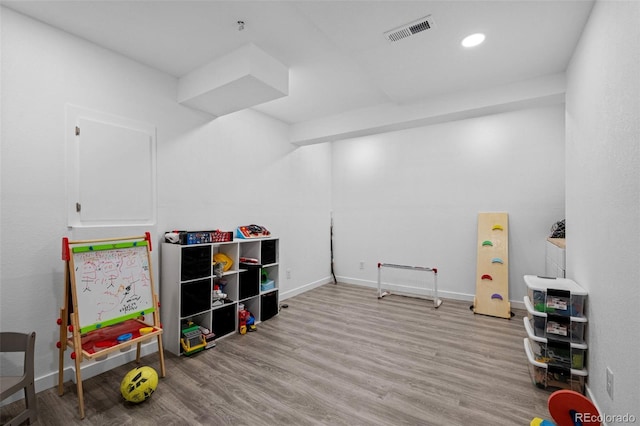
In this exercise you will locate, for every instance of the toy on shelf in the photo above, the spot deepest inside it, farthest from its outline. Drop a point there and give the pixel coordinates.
(197, 237)
(209, 337)
(251, 323)
(265, 283)
(252, 231)
(224, 260)
(246, 321)
(243, 316)
(218, 296)
(192, 340)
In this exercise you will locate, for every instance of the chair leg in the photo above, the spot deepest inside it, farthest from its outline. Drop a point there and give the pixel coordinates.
(18, 342)
(32, 403)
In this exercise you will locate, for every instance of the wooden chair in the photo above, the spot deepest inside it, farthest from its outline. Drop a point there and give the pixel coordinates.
(20, 342)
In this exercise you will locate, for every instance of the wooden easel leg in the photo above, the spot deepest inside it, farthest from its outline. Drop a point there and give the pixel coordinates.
(77, 345)
(156, 322)
(79, 389)
(62, 349)
(138, 347)
(161, 355)
(64, 323)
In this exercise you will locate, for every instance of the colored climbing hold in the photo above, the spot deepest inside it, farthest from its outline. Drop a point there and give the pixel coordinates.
(497, 227)
(486, 277)
(487, 243)
(496, 260)
(496, 296)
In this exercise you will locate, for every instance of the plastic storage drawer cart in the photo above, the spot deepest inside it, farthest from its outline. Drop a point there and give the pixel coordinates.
(568, 329)
(550, 350)
(559, 296)
(551, 376)
(555, 310)
(555, 343)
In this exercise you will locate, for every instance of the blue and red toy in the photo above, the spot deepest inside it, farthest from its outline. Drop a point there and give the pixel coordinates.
(570, 408)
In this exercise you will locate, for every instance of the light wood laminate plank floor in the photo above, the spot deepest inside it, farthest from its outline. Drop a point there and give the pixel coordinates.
(336, 356)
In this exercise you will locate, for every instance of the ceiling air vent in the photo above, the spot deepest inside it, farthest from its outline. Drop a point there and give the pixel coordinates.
(409, 29)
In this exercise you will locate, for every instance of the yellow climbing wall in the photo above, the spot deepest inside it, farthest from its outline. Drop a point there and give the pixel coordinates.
(492, 271)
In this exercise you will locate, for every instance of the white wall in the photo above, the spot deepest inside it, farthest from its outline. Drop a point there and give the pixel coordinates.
(240, 169)
(232, 171)
(603, 196)
(412, 197)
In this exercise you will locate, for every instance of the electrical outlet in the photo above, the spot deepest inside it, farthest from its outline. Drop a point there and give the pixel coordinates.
(361, 264)
(610, 383)
(288, 274)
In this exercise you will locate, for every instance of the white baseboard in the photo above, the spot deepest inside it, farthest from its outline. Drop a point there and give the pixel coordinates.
(441, 294)
(287, 294)
(590, 395)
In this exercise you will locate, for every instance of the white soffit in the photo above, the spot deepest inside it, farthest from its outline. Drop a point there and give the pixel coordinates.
(241, 79)
(538, 92)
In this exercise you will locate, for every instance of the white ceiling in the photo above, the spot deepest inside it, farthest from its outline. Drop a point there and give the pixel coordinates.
(338, 58)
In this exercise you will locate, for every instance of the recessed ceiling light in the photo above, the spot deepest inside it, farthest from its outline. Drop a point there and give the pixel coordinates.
(473, 40)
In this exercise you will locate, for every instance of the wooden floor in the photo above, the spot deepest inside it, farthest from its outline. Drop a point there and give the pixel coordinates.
(336, 356)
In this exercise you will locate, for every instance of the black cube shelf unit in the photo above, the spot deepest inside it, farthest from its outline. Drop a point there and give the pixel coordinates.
(187, 281)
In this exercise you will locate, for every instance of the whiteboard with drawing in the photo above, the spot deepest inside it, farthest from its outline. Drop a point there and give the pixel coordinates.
(112, 283)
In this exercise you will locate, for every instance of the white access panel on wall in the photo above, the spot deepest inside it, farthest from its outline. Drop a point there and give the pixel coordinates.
(111, 169)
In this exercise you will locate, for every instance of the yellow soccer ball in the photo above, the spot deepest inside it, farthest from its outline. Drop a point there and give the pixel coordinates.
(139, 384)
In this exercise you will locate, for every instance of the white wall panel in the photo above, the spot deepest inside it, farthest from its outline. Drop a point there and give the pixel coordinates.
(412, 197)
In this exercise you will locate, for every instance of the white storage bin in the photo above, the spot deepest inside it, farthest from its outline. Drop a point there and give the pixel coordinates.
(559, 296)
(548, 376)
(559, 327)
(550, 350)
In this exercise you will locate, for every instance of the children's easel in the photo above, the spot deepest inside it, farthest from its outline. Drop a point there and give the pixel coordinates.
(110, 302)
(492, 272)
